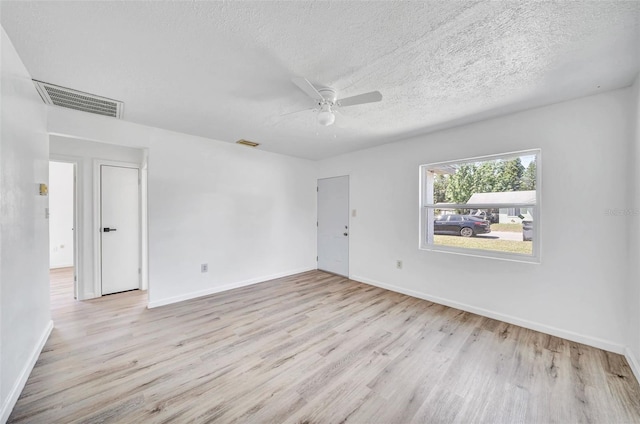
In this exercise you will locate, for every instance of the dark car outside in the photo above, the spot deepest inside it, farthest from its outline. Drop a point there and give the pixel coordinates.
(527, 230)
(463, 225)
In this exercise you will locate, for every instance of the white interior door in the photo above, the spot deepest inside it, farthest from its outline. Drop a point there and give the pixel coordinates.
(119, 229)
(333, 225)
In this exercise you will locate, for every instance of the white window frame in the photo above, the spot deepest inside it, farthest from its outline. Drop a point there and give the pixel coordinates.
(427, 210)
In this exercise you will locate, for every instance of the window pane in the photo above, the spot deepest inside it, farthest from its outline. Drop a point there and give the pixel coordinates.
(499, 181)
(474, 231)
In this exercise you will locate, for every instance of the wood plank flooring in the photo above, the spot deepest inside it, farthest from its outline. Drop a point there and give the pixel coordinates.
(312, 348)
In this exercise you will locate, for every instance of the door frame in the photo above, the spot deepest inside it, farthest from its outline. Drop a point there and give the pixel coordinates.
(350, 215)
(78, 258)
(142, 207)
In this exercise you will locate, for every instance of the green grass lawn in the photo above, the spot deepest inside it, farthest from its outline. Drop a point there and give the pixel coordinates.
(509, 246)
(512, 228)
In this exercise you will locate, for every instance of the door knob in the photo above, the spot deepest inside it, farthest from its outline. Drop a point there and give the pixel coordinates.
(346, 234)
(107, 229)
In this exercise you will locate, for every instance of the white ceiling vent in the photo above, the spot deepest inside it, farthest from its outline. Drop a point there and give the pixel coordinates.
(78, 100)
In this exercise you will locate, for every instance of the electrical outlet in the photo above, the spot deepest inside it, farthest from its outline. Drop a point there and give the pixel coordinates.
(399, 264)
(204, 268)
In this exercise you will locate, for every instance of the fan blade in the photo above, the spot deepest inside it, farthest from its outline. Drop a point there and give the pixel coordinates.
(297, 111)
(307, 87)
(373, 96)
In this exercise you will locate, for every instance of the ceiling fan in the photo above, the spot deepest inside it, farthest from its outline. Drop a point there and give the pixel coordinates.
(327, 99)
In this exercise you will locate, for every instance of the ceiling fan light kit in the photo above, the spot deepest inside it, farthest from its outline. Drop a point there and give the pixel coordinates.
(326, 117)
(327, 98)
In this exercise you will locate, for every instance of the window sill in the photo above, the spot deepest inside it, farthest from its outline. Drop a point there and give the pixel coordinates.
(503, 256)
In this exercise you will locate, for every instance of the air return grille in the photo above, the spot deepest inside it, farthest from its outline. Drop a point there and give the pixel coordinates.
(78, 100)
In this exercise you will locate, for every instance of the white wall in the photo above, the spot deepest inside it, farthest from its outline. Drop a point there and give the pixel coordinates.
(248, 214)
(633, 306)
(579, 289)
(60, 214)
(25, 320)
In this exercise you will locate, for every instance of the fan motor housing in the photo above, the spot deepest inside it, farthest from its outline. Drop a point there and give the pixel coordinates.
(329, 94)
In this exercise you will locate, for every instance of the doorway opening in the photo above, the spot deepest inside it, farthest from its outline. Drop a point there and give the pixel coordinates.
(62, 231)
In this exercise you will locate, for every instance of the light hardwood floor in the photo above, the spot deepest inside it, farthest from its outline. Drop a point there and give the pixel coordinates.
(312, 348)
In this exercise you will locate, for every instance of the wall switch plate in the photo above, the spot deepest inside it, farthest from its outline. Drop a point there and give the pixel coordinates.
(204, 268)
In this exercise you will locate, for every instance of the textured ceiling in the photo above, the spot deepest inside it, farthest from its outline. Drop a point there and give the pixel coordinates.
(223, 70)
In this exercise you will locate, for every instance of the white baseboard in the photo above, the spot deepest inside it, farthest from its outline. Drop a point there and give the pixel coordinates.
(14, 394)
(88, 296)
(633, 363)
(218, 289)
(558, 332)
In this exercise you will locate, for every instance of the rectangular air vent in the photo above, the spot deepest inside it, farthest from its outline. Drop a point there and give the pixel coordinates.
(247, 143)
(73, 99)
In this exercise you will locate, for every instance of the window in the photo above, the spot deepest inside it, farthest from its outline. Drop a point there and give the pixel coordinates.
(487, 206)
